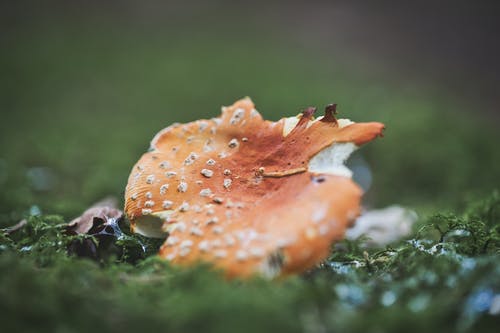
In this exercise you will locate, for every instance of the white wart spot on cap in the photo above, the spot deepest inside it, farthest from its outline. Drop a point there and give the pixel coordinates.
(171, 241)
(196, 231)
(191, 158)
(257, 252)
(165, 165)
(184, 251)
(237, 116)
(182, 187)
(212, 220)
(233, 143)
(218, 230)
(282, 243)
(227, 183)
(180, 227)
(220, 253)
(216, 243)
(167, 204)
(184, 207)
(202, 126)
(310, 233)
(218, 200)
(207, 173)
(204, 246)
(207, 148)
(241, 255)
(206, 192)
(254, 113)
(150, 179)
(230, 241)
(186, 243)
(323, 229)
(319, 214)
(163, 189)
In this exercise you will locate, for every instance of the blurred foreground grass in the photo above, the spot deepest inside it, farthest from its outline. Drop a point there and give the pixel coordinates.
(79, 106)
(446, 278)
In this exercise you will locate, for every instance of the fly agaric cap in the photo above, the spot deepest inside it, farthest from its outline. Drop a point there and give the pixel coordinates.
(248, 195)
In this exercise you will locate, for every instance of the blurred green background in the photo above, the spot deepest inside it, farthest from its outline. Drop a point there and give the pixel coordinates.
(84, 86)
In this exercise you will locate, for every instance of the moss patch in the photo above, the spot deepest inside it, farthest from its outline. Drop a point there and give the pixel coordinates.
(444, 278)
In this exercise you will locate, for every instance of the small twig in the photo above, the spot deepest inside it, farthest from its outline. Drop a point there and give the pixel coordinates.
(16, 227)
(278, 174)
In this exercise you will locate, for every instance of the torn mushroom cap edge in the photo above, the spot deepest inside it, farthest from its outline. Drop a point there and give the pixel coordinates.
(330, 161)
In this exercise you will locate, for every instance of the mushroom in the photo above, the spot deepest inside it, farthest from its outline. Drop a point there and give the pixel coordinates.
(248, 195)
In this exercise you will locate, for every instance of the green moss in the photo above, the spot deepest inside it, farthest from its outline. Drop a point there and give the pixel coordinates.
(443, 278)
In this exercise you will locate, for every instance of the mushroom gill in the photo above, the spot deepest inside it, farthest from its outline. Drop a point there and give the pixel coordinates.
(248, 195)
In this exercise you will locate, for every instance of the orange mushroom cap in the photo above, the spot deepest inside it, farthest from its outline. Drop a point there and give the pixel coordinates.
(248, 195)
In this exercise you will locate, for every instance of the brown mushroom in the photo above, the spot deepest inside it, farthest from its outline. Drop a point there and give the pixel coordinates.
(248, 195)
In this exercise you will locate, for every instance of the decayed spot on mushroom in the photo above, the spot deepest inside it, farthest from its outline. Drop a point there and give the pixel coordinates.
(248, 195)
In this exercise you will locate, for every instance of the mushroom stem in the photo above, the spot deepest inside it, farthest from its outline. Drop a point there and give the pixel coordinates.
(280, 174)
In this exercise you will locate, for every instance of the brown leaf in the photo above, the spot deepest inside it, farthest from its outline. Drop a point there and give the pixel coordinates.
(100, 213)
(100, 221)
